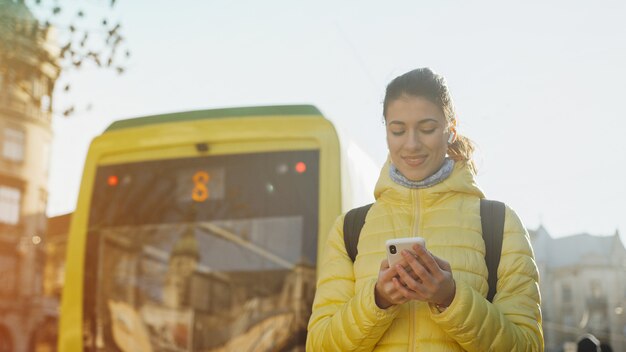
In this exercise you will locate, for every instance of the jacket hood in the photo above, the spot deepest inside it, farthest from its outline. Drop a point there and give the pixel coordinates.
(461, 180)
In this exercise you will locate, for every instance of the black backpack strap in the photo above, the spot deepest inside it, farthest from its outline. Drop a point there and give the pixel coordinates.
(492, 220)
(352, 224)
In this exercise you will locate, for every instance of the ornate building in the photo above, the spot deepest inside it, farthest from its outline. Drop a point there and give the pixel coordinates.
(583, 288)
(183, 263)
(27, 77)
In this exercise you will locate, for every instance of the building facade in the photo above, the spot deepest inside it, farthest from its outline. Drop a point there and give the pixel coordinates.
(583, 288)
(26, 84)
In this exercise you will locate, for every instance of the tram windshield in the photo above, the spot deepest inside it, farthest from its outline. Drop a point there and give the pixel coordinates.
(208, 253)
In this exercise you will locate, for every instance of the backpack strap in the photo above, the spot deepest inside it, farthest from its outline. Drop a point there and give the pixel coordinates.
(352, 224)
(492, 221)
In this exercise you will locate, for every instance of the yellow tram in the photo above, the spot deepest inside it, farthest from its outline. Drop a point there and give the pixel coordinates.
(198, 231)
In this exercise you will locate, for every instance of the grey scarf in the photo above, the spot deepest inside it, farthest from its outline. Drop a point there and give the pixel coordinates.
(440, 175)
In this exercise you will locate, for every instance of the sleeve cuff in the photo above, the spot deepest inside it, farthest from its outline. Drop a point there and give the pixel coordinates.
(379, 313)
(454, 306)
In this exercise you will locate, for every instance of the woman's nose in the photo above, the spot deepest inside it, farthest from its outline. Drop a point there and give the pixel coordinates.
(413, 142)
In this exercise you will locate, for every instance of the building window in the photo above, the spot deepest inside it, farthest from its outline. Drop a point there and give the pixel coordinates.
(596, 289)
(8, 276)
(567, 294)
(45, 103)
(38, 87)
(10, 199)
(45, 160)
(13, 144)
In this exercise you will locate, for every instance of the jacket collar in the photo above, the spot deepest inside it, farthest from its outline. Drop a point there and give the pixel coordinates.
(460, 181)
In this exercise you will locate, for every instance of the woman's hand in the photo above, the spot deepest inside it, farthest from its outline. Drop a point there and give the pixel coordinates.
(429, 279)
(385, 292)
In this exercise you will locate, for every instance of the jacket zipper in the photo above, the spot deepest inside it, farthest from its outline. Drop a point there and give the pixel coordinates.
(416, 205)
(416, 218)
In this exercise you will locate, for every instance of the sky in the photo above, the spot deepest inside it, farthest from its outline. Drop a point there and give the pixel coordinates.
(537, 85)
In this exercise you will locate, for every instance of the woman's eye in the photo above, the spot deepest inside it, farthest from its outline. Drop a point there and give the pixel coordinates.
(397, 133)
(429, 131)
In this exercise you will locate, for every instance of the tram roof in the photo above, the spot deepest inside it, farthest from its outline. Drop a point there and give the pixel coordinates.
(251, 111)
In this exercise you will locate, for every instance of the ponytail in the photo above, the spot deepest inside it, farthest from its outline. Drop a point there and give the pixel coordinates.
(462, 149)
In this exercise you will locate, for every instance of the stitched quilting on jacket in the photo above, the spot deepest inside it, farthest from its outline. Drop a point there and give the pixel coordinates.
(346, 318)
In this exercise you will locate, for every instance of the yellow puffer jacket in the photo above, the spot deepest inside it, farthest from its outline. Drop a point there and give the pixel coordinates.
(447, 215)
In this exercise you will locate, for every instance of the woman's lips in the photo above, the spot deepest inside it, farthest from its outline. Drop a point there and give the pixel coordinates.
(414, 161)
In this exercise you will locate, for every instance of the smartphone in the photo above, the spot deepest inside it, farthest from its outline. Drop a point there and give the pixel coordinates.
(396, 245)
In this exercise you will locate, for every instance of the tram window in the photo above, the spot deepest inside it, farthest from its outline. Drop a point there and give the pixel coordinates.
(199, 243)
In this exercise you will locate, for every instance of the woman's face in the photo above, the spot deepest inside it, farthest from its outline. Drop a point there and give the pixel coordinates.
(417, 136)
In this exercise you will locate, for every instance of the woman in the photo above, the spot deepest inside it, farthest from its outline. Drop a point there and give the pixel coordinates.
(426, 189)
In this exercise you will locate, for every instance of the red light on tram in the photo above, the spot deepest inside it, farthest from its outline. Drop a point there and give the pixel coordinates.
(113, 180)
(300, 167)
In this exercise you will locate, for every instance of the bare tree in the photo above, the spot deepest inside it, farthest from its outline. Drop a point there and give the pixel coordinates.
(57, 34)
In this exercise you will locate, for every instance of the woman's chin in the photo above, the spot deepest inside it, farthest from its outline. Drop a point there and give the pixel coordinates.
(415, 176)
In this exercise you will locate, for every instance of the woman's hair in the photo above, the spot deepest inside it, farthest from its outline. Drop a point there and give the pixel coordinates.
(423, 82)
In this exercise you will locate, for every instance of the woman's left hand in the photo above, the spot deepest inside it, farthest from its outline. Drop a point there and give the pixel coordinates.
(431, 278)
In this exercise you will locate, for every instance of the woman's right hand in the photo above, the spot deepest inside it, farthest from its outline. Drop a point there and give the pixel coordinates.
(385, 292)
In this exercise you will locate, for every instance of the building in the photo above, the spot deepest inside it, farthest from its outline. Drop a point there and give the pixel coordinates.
(26, 84)
(583, 288)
